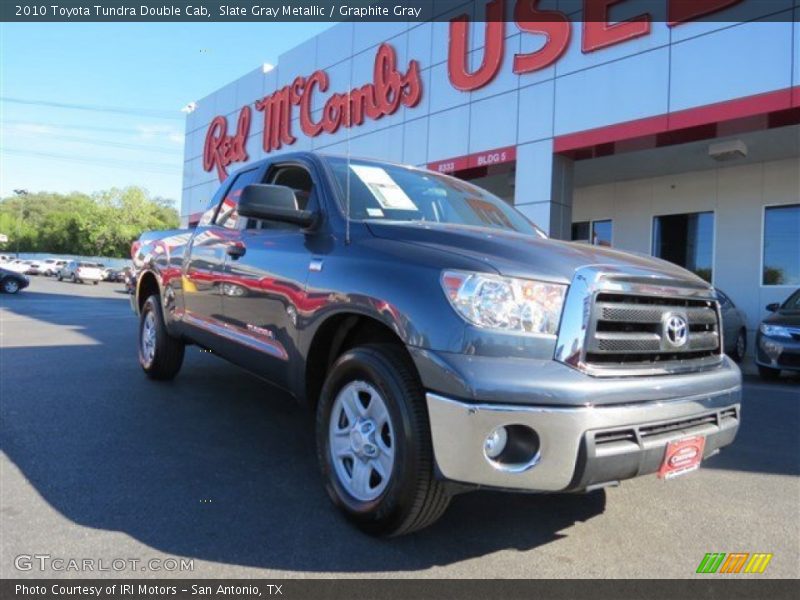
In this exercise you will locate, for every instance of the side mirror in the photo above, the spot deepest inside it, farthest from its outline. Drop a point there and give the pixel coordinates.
(273, 203)
(773, 307)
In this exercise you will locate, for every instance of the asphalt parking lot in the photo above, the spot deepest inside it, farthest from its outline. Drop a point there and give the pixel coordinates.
(99, 462)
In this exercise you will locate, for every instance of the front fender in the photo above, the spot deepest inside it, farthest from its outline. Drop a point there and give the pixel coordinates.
(396, 284)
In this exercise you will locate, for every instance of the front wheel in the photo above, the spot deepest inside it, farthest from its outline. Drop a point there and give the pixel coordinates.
(768, 373)
(10, 286)
(374, 442)
(740, 348)
(160, 354)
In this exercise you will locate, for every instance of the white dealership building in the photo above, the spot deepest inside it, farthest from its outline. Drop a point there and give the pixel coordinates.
(677, 137)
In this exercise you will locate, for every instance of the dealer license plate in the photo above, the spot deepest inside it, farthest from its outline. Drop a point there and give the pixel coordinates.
(682, 456)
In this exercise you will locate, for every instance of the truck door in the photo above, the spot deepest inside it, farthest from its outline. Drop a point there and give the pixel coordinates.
(263, 288)
(205, 260)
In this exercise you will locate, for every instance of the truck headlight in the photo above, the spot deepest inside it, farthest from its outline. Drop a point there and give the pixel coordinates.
(775, 331)
(505, 303)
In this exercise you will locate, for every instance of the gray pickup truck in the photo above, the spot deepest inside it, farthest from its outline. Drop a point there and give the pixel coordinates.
(443, 342)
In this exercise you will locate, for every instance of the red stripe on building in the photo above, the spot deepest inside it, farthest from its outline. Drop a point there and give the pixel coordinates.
(498, 156)
(711, 114)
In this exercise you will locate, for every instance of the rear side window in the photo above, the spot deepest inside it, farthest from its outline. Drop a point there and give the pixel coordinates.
(228, 214)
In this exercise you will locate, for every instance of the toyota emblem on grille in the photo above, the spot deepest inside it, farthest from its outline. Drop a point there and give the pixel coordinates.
(676, 330)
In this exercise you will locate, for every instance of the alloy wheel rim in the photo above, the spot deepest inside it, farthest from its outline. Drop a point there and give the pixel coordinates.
(740, 345)
(148, 338)
(361, 441)
(10, 286)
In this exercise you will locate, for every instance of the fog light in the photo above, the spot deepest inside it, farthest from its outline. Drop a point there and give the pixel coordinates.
(495, 443)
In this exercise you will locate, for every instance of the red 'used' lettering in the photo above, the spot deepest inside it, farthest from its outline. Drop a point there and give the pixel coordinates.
(458, 50)
(681, 11)
(221, 149)
(553, 24)
(599, 33)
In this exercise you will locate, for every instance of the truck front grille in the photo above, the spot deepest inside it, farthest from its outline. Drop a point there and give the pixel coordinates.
(629, 330)
(664, 429)
(638, 321)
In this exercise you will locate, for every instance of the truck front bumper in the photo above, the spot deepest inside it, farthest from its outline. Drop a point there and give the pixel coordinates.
(575, 447)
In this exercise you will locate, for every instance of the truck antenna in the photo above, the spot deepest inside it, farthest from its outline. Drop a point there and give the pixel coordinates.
(347, 183)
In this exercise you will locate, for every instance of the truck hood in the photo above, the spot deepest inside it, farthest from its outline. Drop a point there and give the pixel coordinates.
(519, 255)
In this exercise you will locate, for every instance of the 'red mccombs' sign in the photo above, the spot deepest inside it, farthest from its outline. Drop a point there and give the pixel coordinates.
(390, 89)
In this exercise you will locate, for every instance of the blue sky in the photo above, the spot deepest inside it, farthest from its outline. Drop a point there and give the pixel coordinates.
(150, 70)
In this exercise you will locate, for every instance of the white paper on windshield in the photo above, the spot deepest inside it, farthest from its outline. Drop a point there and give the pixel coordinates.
(385, 189)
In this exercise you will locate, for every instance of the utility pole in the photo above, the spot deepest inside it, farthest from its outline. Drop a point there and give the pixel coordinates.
(21, 195)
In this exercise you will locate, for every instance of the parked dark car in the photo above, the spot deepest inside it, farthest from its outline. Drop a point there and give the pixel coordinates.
(12, 282)
(444, 342)
(114, 275)
(778, 339)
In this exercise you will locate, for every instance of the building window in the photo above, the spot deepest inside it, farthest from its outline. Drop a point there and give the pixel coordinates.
(599, 232)
(686, 240)
(580, 231)
(781, 245)
(602, 232)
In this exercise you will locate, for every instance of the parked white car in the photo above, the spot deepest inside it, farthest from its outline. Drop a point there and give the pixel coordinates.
(80, 272)
(18, 266)
(36, 267)
(50, 266)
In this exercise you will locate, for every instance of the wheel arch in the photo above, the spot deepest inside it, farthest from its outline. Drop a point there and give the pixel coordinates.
(146, 285)
(334, 336)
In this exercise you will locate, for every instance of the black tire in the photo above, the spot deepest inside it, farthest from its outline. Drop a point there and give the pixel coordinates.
(167, 358)
(413, 498)
(95, 282)
(736, 354)
(60, 277)
(768, 373)
(10, 285)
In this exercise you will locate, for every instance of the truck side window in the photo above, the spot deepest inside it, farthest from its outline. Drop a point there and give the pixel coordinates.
(227, 214)
(297, 178)
(211, 210)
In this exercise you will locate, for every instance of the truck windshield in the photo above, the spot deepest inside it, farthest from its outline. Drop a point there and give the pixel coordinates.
(386, 192)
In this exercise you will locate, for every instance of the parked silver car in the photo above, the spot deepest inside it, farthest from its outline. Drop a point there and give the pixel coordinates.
(80, 272)
(734, 327)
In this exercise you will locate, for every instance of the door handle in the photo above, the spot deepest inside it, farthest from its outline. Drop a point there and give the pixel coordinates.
(236, 250)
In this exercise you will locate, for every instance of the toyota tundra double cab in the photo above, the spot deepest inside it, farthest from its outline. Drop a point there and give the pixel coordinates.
(442, 341)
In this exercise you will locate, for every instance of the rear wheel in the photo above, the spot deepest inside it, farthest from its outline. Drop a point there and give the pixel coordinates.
(374, 442)
(160, 354)
(740, 348)
(95, 282)
(60, 277)
(768, 373)
(10, 286)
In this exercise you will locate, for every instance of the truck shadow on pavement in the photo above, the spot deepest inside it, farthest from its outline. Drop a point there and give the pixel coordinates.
(216, 465)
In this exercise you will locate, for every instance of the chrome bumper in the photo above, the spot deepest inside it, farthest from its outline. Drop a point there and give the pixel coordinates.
(571, 455)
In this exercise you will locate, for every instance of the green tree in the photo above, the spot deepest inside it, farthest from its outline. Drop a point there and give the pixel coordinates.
(101, 224)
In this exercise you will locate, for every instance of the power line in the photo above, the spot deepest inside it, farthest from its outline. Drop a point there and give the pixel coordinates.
(139, 112)
(129, 165)
(131, 130)
(95, 142)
